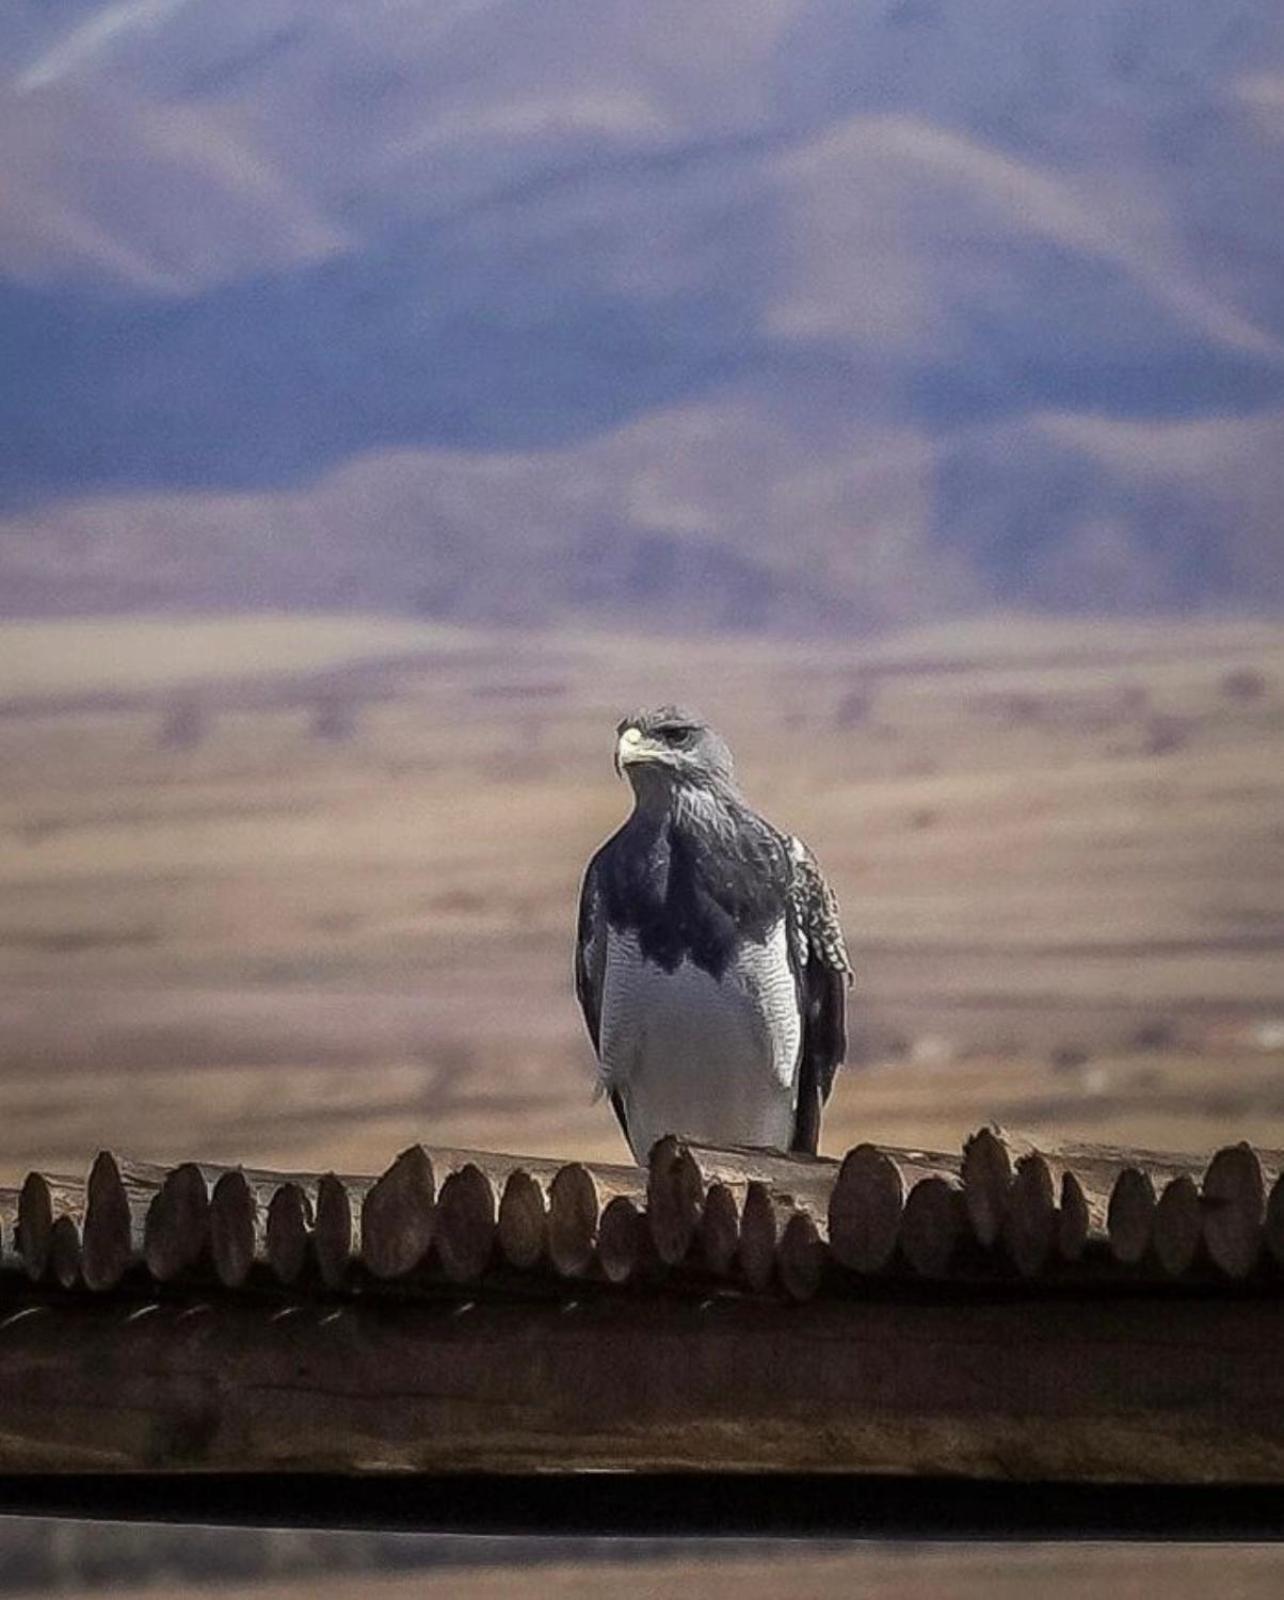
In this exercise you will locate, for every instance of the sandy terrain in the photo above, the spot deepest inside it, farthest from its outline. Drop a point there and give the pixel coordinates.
(300, 891)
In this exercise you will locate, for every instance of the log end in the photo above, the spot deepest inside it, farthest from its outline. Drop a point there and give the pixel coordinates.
(105, 1242)
(719, 1231)
(523, 1221)
(933, 1224)
(1234, 1207)
(865, 1209)
(289, 1230)
(466, 1224)
(397, 1215)
(1130, 1219)
(574, 1211)
(176, 1229)
(800, 1257)
(232, 1222)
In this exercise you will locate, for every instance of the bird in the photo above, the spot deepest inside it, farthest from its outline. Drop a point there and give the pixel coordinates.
(710, 963)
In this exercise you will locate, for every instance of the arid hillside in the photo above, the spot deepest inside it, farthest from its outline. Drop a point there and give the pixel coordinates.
(781, 314)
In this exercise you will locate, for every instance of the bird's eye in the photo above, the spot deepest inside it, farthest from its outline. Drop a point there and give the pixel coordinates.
(677, 734)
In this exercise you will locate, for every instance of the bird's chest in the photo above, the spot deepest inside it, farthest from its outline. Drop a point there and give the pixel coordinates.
(683, 1022)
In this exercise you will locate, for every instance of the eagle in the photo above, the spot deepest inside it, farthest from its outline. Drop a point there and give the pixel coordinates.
(709, 959)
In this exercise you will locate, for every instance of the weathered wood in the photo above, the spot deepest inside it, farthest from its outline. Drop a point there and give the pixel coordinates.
(176, 1225)
(1178, 1225)
(1273, 1228)
(238, 1229)
(719, 1230)
(1173, 1387)
(577, 1202)
(42, 1199)
(1107, 1195)
(621, 1239)
(64, 1252)
(398, 1215)
(1030, 1223)
(1081, 1218)
(801, 1257)
(1130, 1220)
(10, 1260)
(933, 1225)
(680, 1175)
(290, 1218)
(522, 1227)
(762, 1219)
(466, 1224)
(674, 1199)
(988, 1171)
(115, 1215)
(865, 1209)
(1234, 1194)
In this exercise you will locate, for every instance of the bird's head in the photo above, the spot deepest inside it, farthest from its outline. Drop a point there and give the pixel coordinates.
(656, 750)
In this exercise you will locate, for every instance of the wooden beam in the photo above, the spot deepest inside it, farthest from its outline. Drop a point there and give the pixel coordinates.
(1162, 1387)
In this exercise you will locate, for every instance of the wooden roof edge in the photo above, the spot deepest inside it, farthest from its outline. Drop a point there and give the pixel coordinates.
(1007, 1208)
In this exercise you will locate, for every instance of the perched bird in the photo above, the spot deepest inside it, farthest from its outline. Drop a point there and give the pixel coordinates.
(709, 960)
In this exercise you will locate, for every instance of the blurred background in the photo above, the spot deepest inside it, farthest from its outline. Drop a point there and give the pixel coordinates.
(393, 394)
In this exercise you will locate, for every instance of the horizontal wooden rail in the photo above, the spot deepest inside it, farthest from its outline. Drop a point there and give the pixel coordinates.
(1177, 1387)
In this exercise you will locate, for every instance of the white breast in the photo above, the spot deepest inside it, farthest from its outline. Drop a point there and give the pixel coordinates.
(712, 1059)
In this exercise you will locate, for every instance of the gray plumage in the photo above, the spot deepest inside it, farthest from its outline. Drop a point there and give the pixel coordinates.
(709, 963)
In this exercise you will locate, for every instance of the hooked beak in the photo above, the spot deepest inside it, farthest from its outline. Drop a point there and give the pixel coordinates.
(634, 747)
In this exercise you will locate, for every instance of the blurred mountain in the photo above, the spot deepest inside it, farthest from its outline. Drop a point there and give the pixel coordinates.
(789, 313)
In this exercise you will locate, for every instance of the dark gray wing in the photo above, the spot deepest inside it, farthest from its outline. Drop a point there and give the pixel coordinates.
(590, 965)
(824, 974)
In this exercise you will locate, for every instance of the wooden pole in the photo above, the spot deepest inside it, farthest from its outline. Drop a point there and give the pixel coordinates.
(523, 1221)
(1119, 1388)
(466, 1224)
(398, 1215)
(1178, 1226)
(1234, 1203)
(176, 1226)
(290, 1220)
(934, 1224)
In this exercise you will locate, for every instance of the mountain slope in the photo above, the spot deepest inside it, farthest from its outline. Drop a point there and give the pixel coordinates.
(788, 313)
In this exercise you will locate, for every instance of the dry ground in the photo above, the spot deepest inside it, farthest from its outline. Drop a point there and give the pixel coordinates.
(959, 1572)
(300, 890)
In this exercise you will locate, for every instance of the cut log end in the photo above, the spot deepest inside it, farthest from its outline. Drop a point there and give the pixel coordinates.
(105, 1242)
(719, 1231)
(1074, 1219)
(866, 1205)
(177, 1227)
(397, 1215)
(64, 1252)
(1130, 1220)
(757, 1250)
(289, 1229)
(1234, 1207)
(621, 1238)
(332, 1234)
(933, 1225)
(674, 1199)
(800, 1257)
(1179, 1225)
(574, 1211)
(233, 1222)
(465, 1224)
(1030, 1223)
(35, 1224)
(988, 1173)
(523, 1221)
